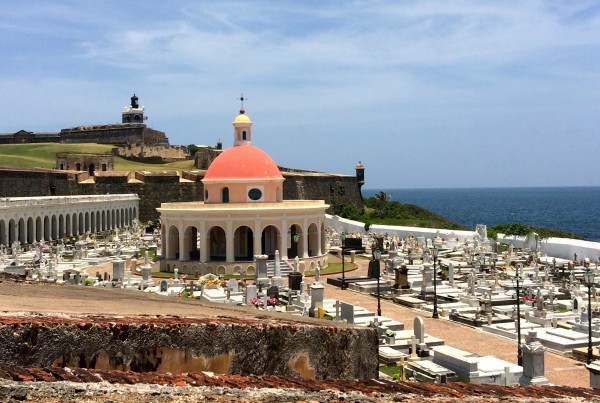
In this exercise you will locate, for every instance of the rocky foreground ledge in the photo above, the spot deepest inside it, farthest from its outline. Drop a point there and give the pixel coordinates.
(115, 352)
(82, 385)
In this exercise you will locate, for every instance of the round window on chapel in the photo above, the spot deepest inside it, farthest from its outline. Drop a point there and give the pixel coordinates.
(254, 194)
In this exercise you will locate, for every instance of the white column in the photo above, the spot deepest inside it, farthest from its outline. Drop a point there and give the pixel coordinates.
(34, 228)
(283, 237)
(257, 237)
(319, 235)
(203, 242)
(181, 236)
(229, 256)
(304, 239)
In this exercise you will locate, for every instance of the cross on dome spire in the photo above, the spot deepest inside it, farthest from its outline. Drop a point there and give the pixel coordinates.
(242, 99)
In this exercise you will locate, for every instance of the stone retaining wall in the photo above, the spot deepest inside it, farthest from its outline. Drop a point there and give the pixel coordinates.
(223, 345)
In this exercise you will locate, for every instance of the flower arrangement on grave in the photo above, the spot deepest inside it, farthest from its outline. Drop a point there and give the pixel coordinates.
(210, 280)
(528, 298)
(272, 301)
(184, 277)
(390, 333)
(257, 302)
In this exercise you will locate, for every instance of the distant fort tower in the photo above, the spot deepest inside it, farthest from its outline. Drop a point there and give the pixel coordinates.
(133, 113)
(130, 131)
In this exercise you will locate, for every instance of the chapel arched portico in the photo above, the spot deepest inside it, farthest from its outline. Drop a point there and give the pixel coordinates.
(226, 245)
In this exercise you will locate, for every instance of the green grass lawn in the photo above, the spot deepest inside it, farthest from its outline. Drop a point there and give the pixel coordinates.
(43, 155)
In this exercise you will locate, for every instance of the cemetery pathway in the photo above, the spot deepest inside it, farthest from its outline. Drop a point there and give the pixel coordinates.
(558, 369)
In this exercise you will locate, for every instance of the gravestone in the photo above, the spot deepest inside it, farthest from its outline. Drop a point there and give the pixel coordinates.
(533, 361)
(251, 292)
(317, 292)
(451, 274)
(419, 329)
(401, 277)
(295, 281)
(273, 292)
(233, 285)
(163, 286)
(347, 312)
(260, 277)
(118, 268)
(277, 279)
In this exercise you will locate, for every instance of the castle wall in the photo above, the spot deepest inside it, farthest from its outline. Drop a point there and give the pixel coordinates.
(129, 133)
(333, 189)
(155, 188)
(152, 153)
(100, 162)
(205, 156)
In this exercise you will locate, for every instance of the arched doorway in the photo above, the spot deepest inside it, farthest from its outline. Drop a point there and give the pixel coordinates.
(268, 241)
(243, 248)
(217, 242)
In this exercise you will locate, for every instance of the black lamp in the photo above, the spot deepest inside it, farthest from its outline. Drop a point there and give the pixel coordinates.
(377, 266)
(343, 239)
(516, 279)
(588, 278)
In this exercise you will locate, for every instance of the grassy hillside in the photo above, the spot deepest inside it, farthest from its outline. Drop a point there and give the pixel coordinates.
(43, 155)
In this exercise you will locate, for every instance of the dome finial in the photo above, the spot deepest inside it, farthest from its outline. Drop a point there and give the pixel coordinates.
(242, 99)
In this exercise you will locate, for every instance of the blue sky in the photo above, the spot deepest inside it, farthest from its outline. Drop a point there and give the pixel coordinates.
(424, 93)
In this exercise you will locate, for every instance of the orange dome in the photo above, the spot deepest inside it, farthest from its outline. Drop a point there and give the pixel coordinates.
(243, 162)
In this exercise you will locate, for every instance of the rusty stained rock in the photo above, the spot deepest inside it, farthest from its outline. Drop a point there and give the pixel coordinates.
(65, 383)
(175, 345)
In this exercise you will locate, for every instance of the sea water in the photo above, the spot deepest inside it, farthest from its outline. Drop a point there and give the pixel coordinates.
(571, 209)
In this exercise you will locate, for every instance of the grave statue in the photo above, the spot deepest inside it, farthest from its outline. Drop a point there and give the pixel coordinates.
(16, 245)
(318, 272)
(471, 285)
(539, 300)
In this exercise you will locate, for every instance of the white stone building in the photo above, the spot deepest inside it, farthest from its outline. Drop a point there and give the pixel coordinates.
(242, 215)
(48, 218)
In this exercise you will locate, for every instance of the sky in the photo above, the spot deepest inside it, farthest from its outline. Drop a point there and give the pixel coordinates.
(426, 94)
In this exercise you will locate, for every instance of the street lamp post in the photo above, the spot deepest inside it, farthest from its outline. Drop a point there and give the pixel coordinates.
(377, 271)
(343, 239)
(434, 252)
(588, 278)
(519, 350)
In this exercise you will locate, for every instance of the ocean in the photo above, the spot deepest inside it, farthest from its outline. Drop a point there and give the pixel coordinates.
(571, 209)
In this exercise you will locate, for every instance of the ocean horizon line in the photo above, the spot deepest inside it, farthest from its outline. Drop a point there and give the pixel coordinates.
(483, 188)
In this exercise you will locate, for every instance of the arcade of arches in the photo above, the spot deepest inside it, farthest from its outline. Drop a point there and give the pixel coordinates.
(209, 239)
(35, 219)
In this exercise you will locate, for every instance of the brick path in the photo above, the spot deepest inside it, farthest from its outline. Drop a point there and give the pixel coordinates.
(558, 369)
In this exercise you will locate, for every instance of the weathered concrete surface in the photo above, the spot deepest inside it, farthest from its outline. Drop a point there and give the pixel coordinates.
(61, 384)
(225, 345)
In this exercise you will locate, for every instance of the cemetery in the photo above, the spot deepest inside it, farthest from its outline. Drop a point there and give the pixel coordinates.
(244, 249)
(506, 291)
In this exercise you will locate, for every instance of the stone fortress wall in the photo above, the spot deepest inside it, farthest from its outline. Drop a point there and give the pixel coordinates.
(155, 188)
(85, 162)
(154, 154)
(122, 133)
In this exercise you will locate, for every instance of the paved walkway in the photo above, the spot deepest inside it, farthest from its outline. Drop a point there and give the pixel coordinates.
(558, 369)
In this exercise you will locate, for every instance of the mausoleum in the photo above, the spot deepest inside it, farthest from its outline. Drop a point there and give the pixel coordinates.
(243, 214)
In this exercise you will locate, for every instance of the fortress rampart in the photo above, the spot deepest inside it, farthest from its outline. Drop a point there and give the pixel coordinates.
(155, 188)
